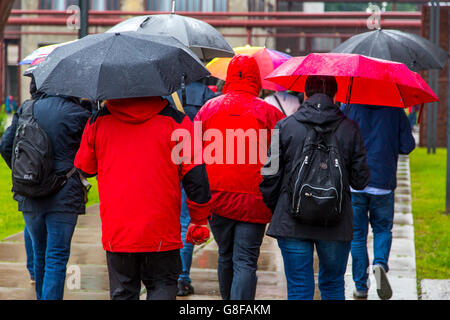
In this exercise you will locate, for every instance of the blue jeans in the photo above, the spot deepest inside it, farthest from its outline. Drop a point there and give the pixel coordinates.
(378, 210)
(188, 248)
(29, 251)
(298, 257)
(239, 246)
(51, 234)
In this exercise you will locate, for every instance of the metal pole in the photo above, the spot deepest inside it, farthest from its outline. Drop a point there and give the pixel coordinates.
(447, 196)
(430, 81)
(436, 77)
(84, 15)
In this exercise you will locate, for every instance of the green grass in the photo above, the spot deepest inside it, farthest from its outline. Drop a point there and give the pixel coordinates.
(431, 224)
(11, 220)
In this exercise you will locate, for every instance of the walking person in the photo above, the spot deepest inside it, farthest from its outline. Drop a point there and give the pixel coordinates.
(6, 144)
(320, 155)
(51, 218)
(239, 215)
(195, 95)
(129, 146)
(386, 133)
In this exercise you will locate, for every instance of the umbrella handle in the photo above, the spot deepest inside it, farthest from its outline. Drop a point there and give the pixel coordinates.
(349, 91)
(177, 102)
(144, 22)
(173, 6)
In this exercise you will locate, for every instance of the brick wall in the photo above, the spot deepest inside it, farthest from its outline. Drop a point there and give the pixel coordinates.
(442, 93)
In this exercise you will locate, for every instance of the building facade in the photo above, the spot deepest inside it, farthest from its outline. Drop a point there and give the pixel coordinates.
(292, 26)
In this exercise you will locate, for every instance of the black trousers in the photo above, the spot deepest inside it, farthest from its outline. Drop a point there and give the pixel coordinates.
(239, 247)
(158, 271)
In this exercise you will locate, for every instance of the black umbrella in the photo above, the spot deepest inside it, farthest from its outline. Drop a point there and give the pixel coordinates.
(119, 65)
(202, 38)
(416, 52)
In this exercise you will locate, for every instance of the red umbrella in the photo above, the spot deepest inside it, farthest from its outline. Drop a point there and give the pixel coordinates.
(360, 79)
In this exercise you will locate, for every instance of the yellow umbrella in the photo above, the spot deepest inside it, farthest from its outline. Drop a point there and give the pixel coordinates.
(218, 66)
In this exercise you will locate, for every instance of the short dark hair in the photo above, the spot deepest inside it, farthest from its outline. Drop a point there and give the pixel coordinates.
(321, 84)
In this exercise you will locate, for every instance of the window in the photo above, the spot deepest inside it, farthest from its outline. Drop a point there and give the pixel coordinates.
(56, 4)
(93, 4)
(101, 5)
(289, 5)
(187, 5)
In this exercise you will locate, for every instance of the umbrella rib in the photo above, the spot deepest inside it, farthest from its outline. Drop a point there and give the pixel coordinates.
(401, 96)
(293, 82)
(101, 65)
(373, 42)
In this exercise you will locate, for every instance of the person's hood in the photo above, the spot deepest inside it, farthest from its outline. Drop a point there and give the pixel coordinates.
(135, 110)
(320, 110)
(243, 75)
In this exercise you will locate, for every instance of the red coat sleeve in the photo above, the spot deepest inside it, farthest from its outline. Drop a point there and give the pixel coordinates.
(194, 176)
(86, 160)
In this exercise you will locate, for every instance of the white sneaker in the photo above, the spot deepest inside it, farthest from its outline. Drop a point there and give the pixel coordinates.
(384, 289)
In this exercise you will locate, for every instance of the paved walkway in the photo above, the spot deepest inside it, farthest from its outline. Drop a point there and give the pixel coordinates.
(88, 255)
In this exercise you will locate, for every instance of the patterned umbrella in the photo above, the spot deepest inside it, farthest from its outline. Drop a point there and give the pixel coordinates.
(267, 59)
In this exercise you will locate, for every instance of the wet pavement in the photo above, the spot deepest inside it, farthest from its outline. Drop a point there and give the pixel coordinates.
(89, 262)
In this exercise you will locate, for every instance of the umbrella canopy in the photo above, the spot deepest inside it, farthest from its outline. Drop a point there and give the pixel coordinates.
(202, 38)
(360, 79)
(118, 65)
(267, 60)
(416, 52)
(41, 53)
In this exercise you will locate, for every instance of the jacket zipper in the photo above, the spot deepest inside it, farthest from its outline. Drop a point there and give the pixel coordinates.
(300, 194)
(336, 163)
(298, 178)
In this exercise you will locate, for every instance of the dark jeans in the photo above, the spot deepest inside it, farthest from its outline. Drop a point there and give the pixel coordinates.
(188, 248)
(298, 258)
(378, 210)
(239, 245)
(158, 271)
(51, 234)
(29, 252)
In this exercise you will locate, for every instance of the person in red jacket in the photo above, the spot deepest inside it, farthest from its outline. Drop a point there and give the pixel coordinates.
(244, 123)
(128, 144)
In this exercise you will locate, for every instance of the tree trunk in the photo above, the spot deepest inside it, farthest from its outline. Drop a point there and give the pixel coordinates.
(5, 9)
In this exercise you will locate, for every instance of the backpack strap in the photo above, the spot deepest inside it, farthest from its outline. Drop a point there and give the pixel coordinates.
(70, 173)
(279, 103)
(27, 111)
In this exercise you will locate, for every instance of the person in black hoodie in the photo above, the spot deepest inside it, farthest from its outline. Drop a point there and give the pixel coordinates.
(297, 239)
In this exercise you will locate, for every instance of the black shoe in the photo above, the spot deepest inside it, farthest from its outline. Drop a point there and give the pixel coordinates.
(184, 288)
(384, 289)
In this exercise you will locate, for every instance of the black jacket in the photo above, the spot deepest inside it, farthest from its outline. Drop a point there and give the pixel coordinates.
(63, 119)
(319, 110)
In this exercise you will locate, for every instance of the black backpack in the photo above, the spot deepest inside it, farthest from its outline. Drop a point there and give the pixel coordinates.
(316, 182)
(32, 158)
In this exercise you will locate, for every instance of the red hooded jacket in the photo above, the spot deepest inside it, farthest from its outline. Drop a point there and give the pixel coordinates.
(240, 117)
(129, 146)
